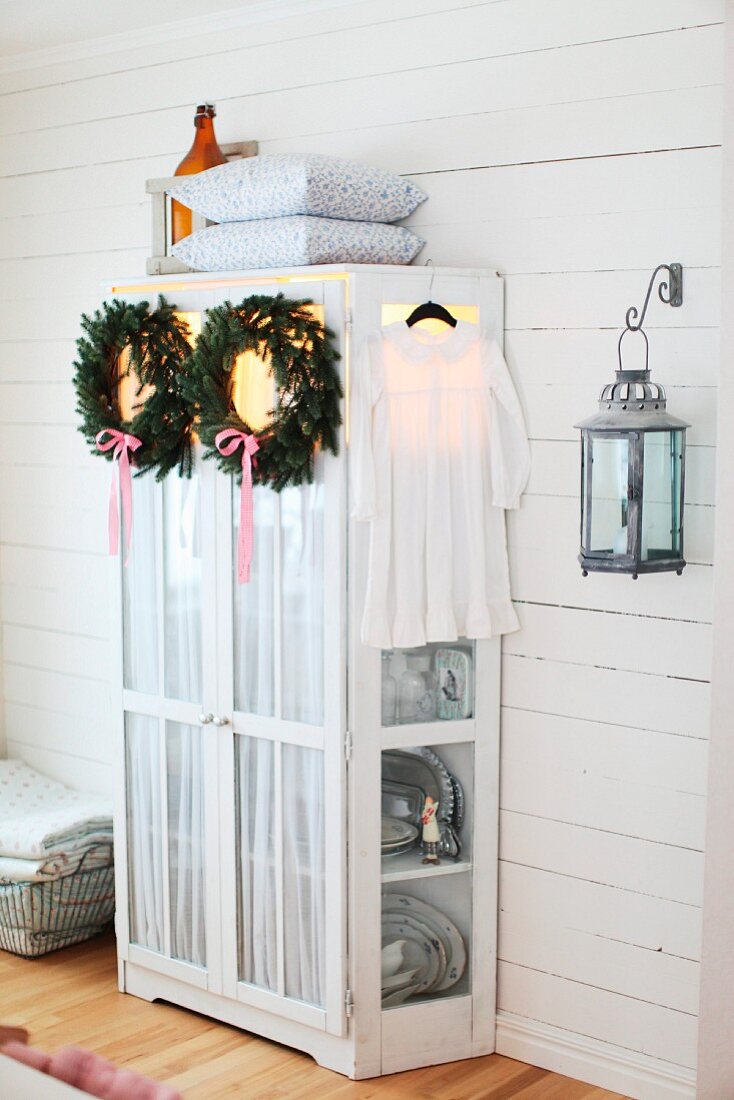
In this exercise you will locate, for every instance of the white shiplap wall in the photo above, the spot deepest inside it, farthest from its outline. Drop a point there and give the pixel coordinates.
(574, 145)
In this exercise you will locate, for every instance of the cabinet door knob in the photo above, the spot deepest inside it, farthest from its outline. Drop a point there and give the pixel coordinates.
(205, 719)
(220, 721)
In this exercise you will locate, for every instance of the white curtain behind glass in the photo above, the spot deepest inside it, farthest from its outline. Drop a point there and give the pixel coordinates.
(140, 632)
(182, 570)
(302, 606)
(303, 873)
(258, 949)
(181, 553)
(303, 868)
(254, 610)
(302, 521)
(144, 833)
(186, 842)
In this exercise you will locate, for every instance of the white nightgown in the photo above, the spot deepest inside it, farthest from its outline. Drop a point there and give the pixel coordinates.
(439, 450)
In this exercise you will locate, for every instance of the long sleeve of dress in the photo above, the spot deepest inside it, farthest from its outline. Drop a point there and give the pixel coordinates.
(364, 502)
(509, 447)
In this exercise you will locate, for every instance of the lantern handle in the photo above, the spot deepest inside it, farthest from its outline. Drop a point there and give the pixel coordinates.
(670, 291)
(622, 335)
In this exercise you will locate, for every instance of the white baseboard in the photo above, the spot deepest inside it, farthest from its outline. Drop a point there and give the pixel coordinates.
(610, 1067)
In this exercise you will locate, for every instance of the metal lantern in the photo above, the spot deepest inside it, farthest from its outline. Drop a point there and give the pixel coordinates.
(633, 456)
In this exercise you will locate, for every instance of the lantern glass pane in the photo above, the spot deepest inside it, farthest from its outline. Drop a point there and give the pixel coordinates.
(609, 504)
(661, 496)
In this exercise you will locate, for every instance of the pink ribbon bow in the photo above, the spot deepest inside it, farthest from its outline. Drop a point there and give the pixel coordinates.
(249, 447)
(123, 444)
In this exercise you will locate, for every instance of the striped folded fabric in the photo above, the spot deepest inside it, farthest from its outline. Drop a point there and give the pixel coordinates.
(97, 854)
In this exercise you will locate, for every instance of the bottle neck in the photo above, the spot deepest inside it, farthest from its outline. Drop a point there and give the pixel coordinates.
(204, 152)
(204, 124)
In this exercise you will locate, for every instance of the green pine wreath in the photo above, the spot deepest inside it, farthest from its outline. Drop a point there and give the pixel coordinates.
(159, 353)
(302, 360)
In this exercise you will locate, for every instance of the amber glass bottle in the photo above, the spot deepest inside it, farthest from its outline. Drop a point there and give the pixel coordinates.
(204, 153)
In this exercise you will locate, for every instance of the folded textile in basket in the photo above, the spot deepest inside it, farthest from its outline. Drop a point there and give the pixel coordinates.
(40, 817)
(97, 854)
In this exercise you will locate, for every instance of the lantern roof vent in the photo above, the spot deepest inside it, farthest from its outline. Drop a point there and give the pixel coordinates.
(638, 391)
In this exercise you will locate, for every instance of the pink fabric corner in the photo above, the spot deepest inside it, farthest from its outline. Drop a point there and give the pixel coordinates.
(100, 1078)
(72, 1065)
(36, 1059)
(90, 1073)
(131, 1086)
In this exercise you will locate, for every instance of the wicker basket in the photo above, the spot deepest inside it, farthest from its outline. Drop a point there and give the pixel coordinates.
(38, 917)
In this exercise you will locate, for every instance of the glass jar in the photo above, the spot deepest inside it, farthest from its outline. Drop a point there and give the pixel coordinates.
(417, 692)
(389, 692)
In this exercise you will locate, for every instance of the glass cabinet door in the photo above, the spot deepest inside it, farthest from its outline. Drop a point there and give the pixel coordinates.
(279, 782)
(281, 931)
(165, 796)
(170, 747)
(283, 662)
(287, 761)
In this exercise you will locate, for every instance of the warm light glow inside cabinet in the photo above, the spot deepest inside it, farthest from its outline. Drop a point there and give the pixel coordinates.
(250, 880)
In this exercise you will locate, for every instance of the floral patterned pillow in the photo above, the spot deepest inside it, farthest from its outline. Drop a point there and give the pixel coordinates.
(282, 184)
(293, 242)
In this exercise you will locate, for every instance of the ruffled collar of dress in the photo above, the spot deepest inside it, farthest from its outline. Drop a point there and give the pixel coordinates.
(418, 344)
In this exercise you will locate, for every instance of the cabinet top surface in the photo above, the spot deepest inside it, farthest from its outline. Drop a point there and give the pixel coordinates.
(212, 279)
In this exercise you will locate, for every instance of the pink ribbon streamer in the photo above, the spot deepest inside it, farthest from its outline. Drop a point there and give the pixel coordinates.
(123, 444)
(244, 541)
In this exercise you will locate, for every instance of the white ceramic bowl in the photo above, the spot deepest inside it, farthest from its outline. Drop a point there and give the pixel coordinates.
(392, 957)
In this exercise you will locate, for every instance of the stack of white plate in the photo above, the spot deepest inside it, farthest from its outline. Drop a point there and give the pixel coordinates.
(433, 954)
(397, 836)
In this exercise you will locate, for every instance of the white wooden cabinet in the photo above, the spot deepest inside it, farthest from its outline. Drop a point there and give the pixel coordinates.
(248, 808)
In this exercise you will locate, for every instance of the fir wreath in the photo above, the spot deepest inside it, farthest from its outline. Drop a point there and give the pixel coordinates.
(302, 362)
(159, 352)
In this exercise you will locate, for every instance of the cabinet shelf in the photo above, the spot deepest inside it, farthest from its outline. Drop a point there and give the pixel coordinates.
(409, 866)
(460, 999)
(440, 732)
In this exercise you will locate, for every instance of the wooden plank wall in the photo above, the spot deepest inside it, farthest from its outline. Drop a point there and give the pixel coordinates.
(574, 146)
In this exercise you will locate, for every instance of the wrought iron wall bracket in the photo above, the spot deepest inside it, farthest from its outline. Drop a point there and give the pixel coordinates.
(670, 291)
(676, 284)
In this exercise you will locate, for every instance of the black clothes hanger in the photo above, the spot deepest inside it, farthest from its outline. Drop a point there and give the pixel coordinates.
(430, 310)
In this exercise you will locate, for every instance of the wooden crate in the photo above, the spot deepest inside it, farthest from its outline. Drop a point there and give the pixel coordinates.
(161, 261)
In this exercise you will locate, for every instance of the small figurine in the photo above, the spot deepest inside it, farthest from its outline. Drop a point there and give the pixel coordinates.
(431, 835)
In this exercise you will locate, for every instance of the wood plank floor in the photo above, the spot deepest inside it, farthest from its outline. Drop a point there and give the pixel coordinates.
(71, 997)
